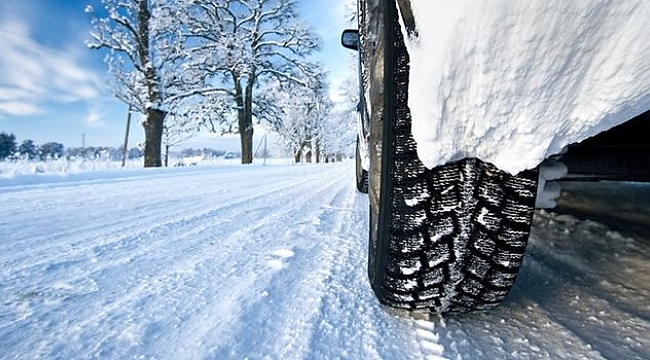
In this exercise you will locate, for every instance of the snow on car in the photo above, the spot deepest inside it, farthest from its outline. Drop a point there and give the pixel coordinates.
(514, 82)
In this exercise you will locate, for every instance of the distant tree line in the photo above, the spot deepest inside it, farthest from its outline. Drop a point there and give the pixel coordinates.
(103, 153)
(9, 149)
(208, 153)
(28, 150)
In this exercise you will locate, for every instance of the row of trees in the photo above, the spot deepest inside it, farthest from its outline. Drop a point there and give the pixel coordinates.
(28, 150)
(9, 148)
(218, 64)
(309, 125)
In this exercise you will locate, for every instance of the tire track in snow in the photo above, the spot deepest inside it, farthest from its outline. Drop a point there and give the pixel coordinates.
(119, 303)
(349, 315)
(428, 340)
(217, 302)
(248, 292)
(97, 230)
(591, 315)
(328, 300)
(590, 281)
(52, 257)
(278, 320)
(72, 271)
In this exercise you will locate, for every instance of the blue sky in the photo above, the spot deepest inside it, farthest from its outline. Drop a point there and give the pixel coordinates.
(53, 88)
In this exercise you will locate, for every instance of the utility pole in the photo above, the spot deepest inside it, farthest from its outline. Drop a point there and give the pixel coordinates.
(265, 152)
(126, 137)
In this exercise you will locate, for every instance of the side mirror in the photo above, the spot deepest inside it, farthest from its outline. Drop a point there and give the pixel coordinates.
(350, 39)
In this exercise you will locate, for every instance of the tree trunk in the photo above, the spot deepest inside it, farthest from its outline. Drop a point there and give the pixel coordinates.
(244, 99)
(248, 108)
(317, 151)
(309, 150)
(167, 155)
(246, 138)
(297, 155)
(153, 126)
(153, 130)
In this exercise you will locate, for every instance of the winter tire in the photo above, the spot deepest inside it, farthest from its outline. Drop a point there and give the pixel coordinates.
(361, 174)
(447, 239)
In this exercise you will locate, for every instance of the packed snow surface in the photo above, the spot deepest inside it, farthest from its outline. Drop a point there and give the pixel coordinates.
(513, 82)
(269, 262)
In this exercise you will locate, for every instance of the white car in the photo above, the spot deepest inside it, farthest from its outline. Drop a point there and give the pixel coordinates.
(462, 103)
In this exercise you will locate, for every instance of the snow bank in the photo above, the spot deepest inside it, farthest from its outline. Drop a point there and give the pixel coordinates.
(24, 169)
(512, 82)
(10, 169)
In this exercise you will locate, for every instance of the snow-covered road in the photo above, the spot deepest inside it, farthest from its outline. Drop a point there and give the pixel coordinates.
(270, 262)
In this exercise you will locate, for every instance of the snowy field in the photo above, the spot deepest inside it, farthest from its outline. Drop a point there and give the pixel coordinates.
(85, 167)
(269, 262)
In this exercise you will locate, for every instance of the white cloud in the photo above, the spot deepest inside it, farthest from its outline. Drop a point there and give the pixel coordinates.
(95, 118)
(32, 74)
(11, 93)
(19, 108)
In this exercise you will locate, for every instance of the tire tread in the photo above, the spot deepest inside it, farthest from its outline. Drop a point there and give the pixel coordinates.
(441, 253)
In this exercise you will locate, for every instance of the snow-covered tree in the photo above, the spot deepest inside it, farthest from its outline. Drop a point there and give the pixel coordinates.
(340, 137)
(341, 124)
(179, 126)
(51, 150)
(299, 117)
(234, 45)
(143, 42)
(28, 149)
(7, 145)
